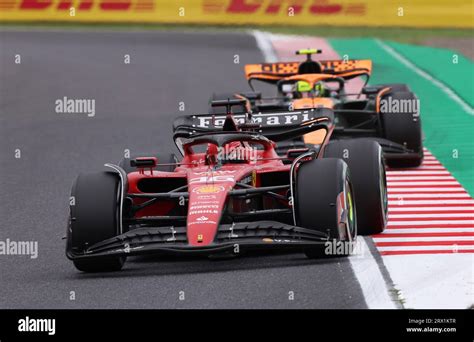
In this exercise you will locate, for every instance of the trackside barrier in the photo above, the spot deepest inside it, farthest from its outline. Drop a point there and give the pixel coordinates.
(400, 13)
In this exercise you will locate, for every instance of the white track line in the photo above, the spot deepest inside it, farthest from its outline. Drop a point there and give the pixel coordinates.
(428, 223)
(424, 248)
(428, 196)
(431, 209)
(391, 183)
(421, 178)
(425, 239)
(419, 173)
(431, 163)
(432, 167)
(427, 184)
(428, 230)
(443, 87)
(395, 216)
(429, 167)
(410, 190)
(439, 201)
(372, 283)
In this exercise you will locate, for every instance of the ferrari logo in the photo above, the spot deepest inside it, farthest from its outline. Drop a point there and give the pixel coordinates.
(209, 189)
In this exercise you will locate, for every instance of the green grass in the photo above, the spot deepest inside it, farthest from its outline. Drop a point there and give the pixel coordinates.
(447, 127)
(406, 35)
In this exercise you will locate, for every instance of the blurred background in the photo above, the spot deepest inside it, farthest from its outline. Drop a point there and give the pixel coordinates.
(418, 42)
(144, 62)
(437, 22)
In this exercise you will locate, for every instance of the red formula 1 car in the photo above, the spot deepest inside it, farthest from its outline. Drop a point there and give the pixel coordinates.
(230, 192)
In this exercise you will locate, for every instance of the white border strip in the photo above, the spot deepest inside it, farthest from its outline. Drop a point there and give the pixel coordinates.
(265, 45)
(442, 223)
(454, 248)
(470, 210)
(372, 283)
(425, 239)
(443, 87)
(429, 215)
(428, 230)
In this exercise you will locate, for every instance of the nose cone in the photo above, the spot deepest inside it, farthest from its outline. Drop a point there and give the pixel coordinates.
(206, 202)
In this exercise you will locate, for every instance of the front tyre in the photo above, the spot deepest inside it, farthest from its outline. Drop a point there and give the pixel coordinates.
(94, 217)
(367, 167)
(324, 201)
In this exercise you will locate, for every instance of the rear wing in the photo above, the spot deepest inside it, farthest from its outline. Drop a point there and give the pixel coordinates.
(276, 126)
(273, 72)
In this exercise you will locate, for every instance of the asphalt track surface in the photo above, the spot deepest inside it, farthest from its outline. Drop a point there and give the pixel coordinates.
(135, 105)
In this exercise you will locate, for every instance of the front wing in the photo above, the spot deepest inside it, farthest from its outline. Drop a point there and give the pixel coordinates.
(230, 238)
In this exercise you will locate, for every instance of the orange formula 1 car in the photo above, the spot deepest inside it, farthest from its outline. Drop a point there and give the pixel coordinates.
(388, 113)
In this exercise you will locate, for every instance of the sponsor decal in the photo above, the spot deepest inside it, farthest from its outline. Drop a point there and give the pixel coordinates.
(262, 119)
(218, 172)
(211, 179)
(436, 13)
(206, 206)
(313, 7)
(201, 222)
(203, 198)
(209, 189)
(269, 240)
(88, 6)
(194, 212)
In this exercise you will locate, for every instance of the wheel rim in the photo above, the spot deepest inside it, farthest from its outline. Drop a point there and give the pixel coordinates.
(383, 190)
(350, 209)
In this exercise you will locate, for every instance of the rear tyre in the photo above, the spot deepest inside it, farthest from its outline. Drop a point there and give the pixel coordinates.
(94, 218)
(366, 164)
(403, 128)
(324, 201)
(163, 158)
